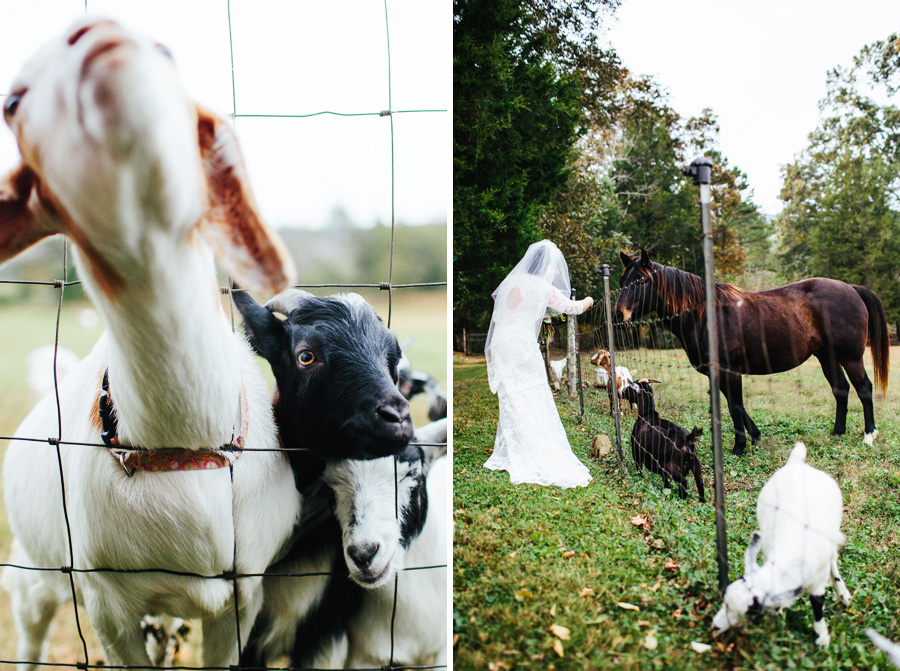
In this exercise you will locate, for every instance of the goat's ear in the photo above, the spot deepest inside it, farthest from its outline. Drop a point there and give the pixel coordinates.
(432, 454)
(435, 432)
(751, 553)
(245, 246)
(23, 219)
(625, 258)
(265, 331)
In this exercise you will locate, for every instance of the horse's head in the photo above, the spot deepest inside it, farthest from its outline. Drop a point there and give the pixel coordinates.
(637, 295)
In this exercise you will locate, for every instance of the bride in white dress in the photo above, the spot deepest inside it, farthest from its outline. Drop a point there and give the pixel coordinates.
(531, 442)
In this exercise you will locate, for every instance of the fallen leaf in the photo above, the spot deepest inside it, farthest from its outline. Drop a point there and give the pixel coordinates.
(643, 623)
(638, 521)
(483, 635)
(558, 648)
(522, 594)
(553, 610)
(671, 565)
(587, 591)
(678, 612)
(700, 647)
(570, 553)
(650, 641)
(455, 639)
(627, 606)
(560, 631)
(659, 544)
(512, 555)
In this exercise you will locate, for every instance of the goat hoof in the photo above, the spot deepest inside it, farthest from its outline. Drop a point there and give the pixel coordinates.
(756, 440)
(869, 438)
(738, 451)
(838, 432)
(823, 641)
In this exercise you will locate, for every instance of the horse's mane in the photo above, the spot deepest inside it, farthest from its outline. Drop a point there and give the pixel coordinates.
(682, 291)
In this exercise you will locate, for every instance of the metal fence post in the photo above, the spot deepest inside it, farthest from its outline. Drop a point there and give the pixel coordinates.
(701, 170)
(570, 351)
(604, 270)
(578, 363)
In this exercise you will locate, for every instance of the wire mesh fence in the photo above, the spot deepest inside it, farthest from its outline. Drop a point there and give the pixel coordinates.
(659, 366)
(75, 566)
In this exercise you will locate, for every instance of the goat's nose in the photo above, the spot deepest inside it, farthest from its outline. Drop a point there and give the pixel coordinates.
(393, 411)
(362, 555)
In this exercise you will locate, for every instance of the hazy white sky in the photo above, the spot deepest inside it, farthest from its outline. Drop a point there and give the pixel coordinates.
(760, 66)
(297, 57)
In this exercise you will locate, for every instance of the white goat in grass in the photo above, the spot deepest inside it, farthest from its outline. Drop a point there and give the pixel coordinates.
(799, 512)
(146, 185)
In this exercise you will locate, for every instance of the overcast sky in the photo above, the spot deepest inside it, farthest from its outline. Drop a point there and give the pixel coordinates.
(760, 66)
(297, 57)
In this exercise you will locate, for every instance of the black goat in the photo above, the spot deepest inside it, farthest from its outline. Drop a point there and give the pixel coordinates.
(660, 445)
(335, 365)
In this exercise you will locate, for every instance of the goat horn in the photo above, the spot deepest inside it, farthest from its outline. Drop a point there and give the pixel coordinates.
(288, 301)
(649, 379)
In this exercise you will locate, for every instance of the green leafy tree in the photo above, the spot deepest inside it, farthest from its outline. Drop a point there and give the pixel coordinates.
(522, 87)
(842, 216)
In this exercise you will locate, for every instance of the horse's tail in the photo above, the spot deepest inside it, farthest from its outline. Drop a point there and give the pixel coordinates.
(878, 336)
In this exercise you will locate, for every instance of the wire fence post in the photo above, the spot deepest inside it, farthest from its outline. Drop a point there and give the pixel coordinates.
(604, 270)
(570, 351)
(701, 170)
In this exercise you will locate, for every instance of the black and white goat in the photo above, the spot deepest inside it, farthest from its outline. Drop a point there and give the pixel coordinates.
(660, 445)
(799, 511)
(368, 517)
(415, 382)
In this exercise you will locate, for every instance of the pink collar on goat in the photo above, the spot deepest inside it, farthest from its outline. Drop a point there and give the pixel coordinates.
(169, 458)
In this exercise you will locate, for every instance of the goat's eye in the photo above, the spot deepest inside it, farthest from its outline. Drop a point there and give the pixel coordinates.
(306, 358)
(164, 50)
(12, 104)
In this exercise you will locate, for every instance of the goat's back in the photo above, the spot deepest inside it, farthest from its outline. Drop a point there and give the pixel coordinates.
(800, 507)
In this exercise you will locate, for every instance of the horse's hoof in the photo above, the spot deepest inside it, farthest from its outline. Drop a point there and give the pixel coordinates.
(869, 438)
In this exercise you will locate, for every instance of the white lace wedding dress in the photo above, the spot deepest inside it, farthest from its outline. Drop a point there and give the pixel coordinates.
(531, 442)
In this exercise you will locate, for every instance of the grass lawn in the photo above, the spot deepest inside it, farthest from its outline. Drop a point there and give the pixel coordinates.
(550, 578)
(420, 313)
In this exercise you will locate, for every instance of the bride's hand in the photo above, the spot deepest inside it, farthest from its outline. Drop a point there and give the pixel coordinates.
(588, 302)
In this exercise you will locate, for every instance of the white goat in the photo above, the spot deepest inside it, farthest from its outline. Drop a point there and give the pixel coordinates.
(558, 367)
(144, 182)
(886, 645)
(382, 523)
(799, 512)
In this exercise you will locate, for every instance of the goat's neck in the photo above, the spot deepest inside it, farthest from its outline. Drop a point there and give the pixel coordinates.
(647, 408)
(174, 365)
(778, 580)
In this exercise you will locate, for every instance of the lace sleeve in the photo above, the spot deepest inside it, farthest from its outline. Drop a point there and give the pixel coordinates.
(561, 304)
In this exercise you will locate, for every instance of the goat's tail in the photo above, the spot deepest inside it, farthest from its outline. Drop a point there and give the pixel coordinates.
(877, 336)
(798, 454)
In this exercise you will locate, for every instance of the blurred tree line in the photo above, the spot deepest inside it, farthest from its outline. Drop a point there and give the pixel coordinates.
(340, 253)
(555, 138)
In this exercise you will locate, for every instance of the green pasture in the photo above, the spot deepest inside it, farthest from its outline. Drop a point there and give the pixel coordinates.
(418, 313)
(622, 574)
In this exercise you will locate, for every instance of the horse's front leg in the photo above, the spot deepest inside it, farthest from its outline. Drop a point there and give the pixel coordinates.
(734, 394)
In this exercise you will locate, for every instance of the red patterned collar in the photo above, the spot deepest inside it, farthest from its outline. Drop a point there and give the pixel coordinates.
(169, 458)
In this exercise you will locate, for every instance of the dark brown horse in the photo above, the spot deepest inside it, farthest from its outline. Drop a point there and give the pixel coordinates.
(762, 332)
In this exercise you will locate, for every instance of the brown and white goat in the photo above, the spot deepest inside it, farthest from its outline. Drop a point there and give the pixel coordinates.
(149, 187)
(601, 360)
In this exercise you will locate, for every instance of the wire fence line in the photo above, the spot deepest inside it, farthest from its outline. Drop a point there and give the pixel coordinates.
(233, 575)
